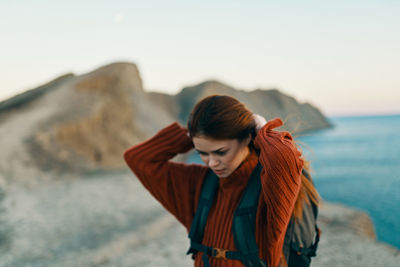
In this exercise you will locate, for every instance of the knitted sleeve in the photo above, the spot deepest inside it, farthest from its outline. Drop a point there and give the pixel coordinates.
(175, 185)
(280, 180)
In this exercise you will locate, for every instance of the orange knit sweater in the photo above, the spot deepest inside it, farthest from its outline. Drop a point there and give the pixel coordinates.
(177, 186)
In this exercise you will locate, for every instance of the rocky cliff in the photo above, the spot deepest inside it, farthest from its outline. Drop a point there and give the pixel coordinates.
(298, 117)
(85, 122)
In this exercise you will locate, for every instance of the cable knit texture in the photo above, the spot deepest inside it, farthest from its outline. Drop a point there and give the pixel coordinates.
(177, 186)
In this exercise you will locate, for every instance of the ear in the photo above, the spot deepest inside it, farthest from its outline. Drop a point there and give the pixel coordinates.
(247, 140)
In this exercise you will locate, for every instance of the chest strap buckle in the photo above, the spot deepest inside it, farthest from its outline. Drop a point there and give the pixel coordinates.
(219, 253)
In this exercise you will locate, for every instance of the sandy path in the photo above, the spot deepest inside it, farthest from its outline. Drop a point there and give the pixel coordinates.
(64, 220)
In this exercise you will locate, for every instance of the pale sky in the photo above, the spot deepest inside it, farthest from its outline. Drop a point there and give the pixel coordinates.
(341, 56)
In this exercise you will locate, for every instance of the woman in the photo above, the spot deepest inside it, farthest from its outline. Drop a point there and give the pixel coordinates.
(231, 140)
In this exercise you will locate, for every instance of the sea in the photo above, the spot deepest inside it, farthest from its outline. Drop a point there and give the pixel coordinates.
(357, 163)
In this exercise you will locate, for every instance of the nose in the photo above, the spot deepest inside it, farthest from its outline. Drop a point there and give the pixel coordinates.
(213, 161)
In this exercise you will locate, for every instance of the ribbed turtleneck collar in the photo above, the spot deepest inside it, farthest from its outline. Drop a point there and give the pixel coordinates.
(239, 178)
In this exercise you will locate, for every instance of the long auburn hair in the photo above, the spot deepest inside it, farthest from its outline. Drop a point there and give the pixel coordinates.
(224, 117)
(221, 117)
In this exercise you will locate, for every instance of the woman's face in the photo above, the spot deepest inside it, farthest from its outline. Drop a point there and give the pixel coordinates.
(222, 156)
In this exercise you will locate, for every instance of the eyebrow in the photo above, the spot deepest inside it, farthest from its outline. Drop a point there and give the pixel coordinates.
(215, 151)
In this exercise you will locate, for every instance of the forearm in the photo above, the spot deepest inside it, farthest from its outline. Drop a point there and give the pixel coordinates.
(280, 179)
(171, 183)
(159, 149)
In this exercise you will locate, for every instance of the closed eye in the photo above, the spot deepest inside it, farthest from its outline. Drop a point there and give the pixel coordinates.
(220, 153)
(217, 152)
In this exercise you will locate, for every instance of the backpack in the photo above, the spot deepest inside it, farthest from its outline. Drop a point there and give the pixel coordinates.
(301, 238)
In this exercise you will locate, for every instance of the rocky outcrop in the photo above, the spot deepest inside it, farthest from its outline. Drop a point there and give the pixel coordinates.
(348, 239)
(79, 123)
(298, 117)
(83, 123)
(338, 217)
(23, 99)
(104, 126)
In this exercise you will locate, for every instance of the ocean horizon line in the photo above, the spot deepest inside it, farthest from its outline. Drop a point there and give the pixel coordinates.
(355, 115)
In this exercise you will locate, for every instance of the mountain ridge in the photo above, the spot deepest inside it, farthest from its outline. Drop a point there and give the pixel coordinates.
(85, 122)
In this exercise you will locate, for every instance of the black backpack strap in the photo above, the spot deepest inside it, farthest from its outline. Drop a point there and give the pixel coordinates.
(216, 253)
(243, 226)
(209, 187)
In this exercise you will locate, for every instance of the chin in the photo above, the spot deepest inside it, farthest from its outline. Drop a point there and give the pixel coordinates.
(224, 175)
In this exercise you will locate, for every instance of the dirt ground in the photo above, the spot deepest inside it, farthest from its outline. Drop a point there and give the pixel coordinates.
(109, 219)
